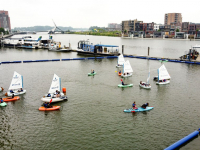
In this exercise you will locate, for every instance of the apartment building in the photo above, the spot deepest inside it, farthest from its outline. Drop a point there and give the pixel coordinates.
(5, 20)
(174, 19)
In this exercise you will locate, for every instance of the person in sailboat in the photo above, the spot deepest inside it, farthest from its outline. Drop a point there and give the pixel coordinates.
(145, 105)
(11, 91)
(92, 71)
(21, 90)
(48, 95)
(120, 71)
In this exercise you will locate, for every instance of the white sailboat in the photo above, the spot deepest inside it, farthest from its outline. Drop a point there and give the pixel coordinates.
(127, 70)
(16, 85)
(120, 61)
(146, 85)
(55, 86)
(163, 75)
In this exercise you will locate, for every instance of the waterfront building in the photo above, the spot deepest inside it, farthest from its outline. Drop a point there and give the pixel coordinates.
(5, 20)
(185, 27)
(128, 27)
(174, 18)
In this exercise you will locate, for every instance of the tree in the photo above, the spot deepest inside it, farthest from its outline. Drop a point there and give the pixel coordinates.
(125, 31)
(177, 30)
(197, 31)
(2, 30)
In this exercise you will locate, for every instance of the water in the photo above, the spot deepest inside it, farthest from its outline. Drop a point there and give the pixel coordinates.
(93, 117)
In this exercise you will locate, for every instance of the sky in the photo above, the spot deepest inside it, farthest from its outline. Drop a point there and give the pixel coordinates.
(86, 13)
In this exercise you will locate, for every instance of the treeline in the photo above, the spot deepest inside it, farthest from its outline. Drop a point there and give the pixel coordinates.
(47, 28)
(3, 31)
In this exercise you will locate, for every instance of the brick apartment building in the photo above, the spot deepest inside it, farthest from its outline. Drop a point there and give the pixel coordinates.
(5, 20)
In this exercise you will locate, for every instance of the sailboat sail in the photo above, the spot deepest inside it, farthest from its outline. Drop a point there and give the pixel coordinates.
(120, 60)
(148, 77)
(55, 84)
(17, 81)
(163, 73)
(127, 67)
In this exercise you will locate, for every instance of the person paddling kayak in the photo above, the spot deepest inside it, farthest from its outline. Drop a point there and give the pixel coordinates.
(123, 82)
(145, 105)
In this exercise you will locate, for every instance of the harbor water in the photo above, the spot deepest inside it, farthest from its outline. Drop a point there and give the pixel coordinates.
(93, 116)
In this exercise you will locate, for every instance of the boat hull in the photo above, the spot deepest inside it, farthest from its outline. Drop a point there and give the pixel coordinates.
(49, 109)
(144, 86)
(57, 99)
(9, 99)
(16, 93)
(125, 76)
(128, 85)
(162, 83)
(92, 74)
(119, 66)
(3, 104)
(137, 110)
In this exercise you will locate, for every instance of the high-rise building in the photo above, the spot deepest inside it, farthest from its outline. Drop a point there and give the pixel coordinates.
(5, 20)
(175, 18)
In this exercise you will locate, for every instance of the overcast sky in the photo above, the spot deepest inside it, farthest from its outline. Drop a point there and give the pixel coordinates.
(86, 13)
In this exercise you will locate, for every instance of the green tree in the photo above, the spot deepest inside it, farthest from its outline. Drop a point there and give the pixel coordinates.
(125, 31)
(2, 30)
(177, 30)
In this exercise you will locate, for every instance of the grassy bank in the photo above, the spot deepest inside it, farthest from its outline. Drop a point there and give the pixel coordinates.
(110, 33)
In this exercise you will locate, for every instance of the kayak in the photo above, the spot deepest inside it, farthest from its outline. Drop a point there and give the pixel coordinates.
(92, 74)
(47, 109)
(3, 104)
(8, 99)
(127, 85)
(137, 110)
(119, 74)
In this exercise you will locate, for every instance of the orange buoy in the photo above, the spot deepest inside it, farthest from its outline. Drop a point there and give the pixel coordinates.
(2, 88)
(64, 90)
(6, 94)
